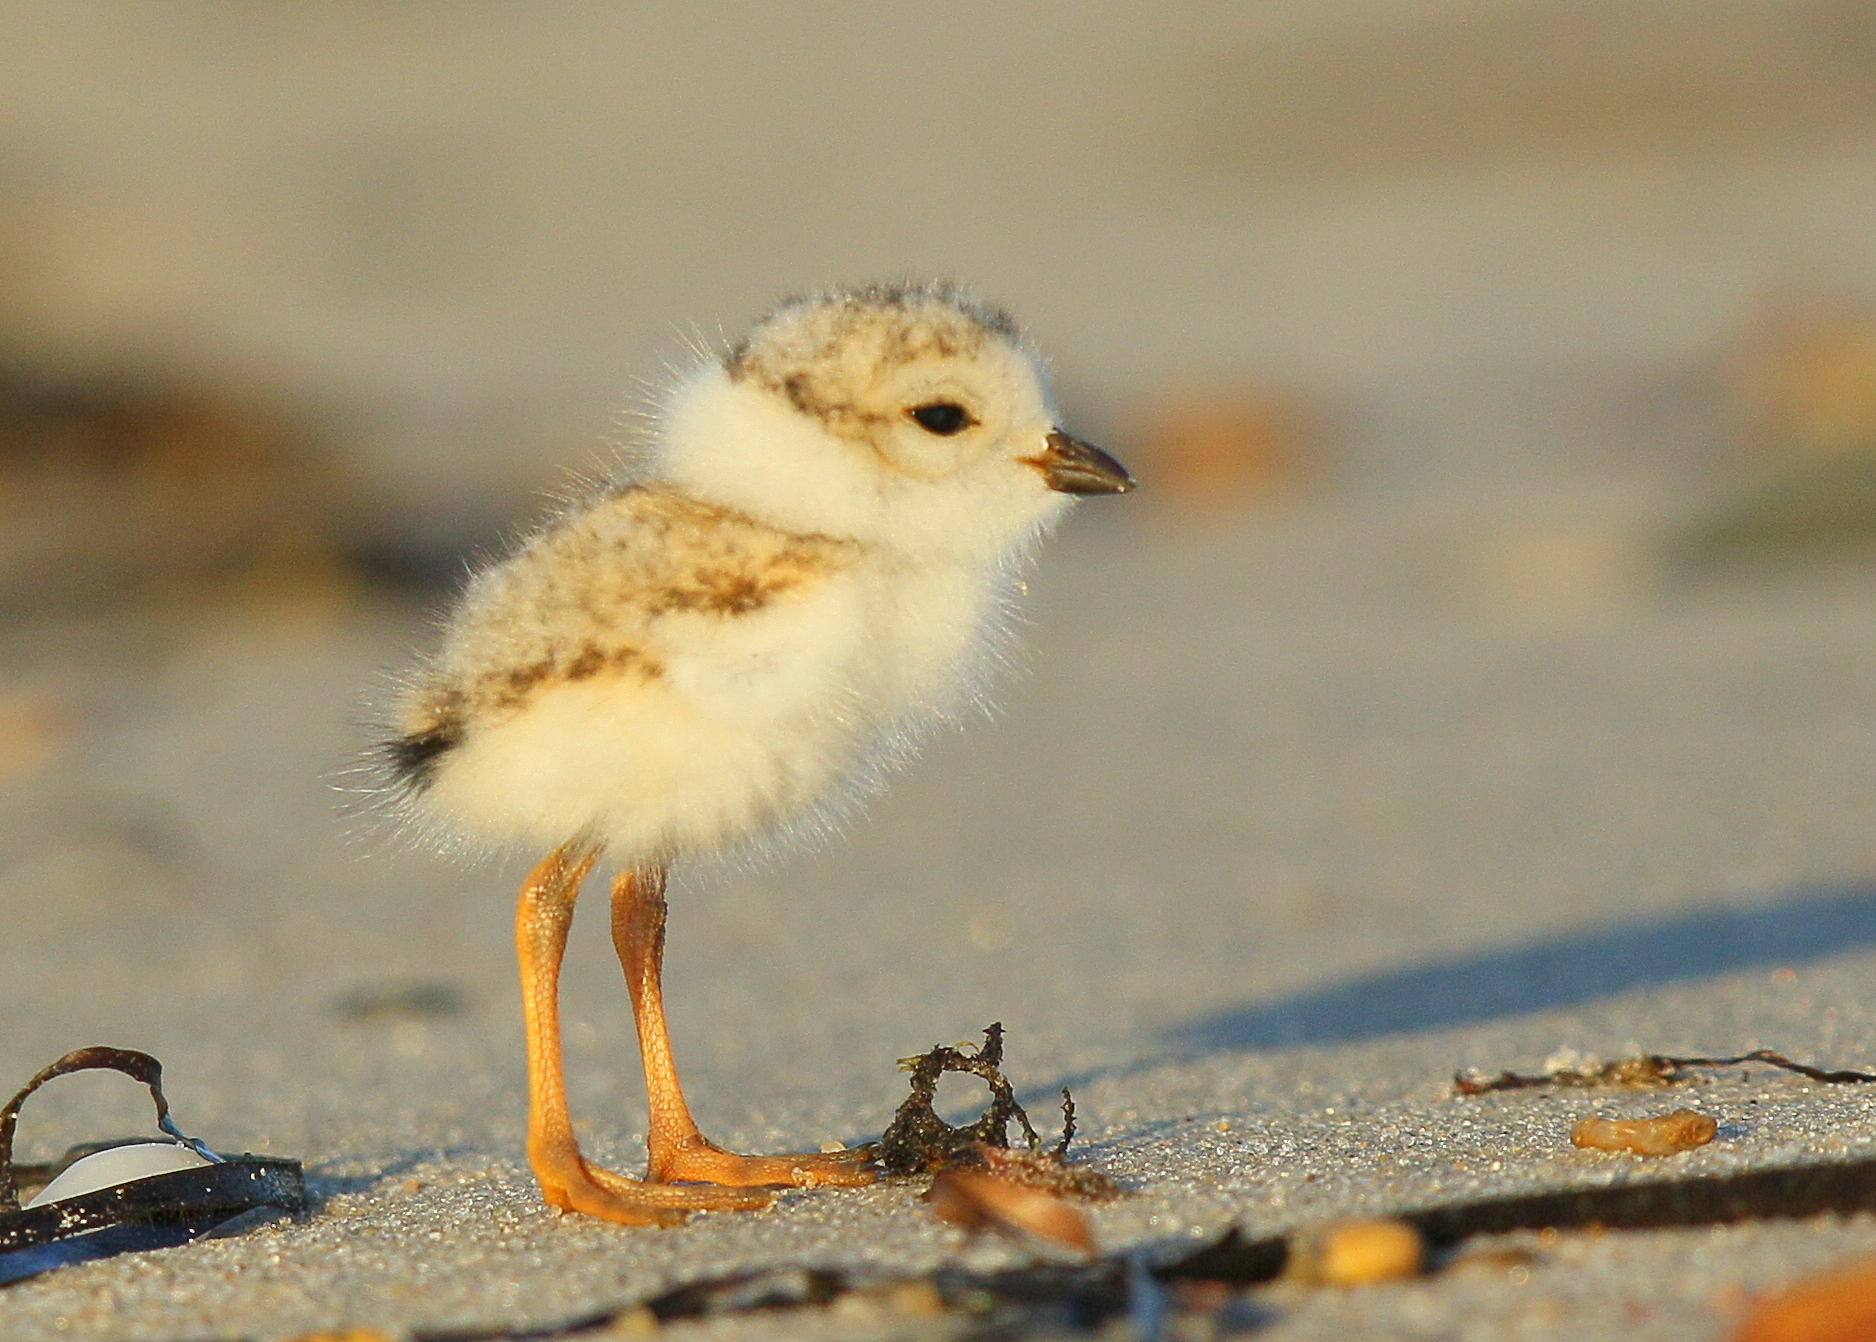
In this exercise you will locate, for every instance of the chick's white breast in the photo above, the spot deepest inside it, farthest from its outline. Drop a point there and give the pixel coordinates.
(927, 633)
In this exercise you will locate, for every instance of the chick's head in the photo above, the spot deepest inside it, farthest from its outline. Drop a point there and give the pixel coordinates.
(913, 417)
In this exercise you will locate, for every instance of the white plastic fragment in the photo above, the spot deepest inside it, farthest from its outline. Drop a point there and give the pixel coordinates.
(117, 1165)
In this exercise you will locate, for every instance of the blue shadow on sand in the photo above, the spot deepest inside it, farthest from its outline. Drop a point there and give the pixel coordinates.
(1561, 971)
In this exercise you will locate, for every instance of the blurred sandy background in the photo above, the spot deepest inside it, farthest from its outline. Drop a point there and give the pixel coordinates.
(1483, 242)
(1455, 315)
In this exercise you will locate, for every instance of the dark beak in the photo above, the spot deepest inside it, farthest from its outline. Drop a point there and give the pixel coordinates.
(1074, 467)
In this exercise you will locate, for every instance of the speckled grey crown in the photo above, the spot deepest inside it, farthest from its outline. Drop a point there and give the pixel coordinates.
(821, 351)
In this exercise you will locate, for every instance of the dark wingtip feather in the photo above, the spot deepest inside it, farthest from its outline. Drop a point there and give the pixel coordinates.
(413, 759)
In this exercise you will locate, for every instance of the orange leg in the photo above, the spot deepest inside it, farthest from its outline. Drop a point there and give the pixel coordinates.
(678, 1149)
(567, 1180)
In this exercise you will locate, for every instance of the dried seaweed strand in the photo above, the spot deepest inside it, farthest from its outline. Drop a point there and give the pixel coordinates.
(1650, 1069)
(917, 1140)
(138, 1066)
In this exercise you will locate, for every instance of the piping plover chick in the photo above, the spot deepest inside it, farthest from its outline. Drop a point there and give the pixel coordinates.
(805, 568)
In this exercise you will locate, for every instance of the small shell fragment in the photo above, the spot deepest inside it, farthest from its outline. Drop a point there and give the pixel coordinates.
(977, 1199)
(1663, 1135)
(1355, 1253)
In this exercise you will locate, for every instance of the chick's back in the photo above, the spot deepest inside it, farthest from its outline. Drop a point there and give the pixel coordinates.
(637, 637)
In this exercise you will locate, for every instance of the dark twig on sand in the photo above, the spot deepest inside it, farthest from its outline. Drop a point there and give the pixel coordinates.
(1650, 1069)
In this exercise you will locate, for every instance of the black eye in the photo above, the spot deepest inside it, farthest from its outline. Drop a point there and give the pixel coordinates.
(941, 417)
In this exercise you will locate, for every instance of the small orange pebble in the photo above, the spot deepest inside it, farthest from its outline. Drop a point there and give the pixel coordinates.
(640, 1322)
(978, 1200)
(1663, 1135)
(1806, 385)
(919, 1299)
(1356, 1253)
(34, 725)
(1839, 1306)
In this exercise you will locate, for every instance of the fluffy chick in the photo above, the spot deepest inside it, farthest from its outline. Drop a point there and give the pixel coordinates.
(806, 570)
